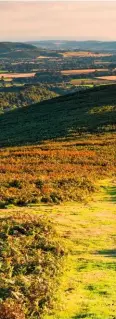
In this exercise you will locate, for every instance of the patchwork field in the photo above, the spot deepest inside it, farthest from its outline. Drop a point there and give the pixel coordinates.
(94, 81)
(82, 71)
(17, 75)
(85, 54)
(108, 78)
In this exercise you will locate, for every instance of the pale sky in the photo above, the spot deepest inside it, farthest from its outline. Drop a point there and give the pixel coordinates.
(35, 20)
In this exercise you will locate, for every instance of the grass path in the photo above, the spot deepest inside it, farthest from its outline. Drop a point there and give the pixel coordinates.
(88, 285)
(88, 288)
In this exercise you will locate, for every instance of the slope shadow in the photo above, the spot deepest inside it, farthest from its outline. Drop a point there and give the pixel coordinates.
(80, 316)
(107, 252)
(111, 191)
(58, 118)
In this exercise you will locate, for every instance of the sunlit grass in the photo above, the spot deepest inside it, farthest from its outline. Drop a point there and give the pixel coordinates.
(88, 286)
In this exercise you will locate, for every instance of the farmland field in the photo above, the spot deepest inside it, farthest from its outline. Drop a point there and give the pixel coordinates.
(83, 71)
(94, 81)
(85, 54)
(17, 75)
(108, 78)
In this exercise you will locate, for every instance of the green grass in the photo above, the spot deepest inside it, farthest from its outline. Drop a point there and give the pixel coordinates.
(2, 71)
(85, 85)
(87, 286)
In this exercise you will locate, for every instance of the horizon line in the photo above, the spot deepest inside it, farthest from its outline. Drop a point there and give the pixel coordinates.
(58, 39)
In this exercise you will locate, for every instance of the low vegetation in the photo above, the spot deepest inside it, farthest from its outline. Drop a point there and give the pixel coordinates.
(55, 152)
(55, 171)
(63, 169)
(30, 261)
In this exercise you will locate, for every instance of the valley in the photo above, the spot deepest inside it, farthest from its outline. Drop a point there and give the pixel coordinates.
(58, 68)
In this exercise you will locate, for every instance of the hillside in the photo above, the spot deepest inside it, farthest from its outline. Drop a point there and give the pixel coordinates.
(9, 49)
(15, 97)
(17, 50)
(89, 111)
(6, 47)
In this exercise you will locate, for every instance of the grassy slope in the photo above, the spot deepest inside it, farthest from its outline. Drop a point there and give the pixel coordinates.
(55, 171)
(23, 96)
(60, 117)
(62, 169)
(87, 289)
(88, 286)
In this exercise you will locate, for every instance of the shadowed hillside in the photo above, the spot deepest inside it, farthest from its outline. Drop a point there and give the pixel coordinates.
(17, 50)
(15, 97)
(6, 47)
(89, 111)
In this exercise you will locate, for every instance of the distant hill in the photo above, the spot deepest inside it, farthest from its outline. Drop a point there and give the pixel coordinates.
(80, 45)
(6, 47)
(89, 111)
(16, 50)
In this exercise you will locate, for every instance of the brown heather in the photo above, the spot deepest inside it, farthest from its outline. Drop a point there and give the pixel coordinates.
(55, 171)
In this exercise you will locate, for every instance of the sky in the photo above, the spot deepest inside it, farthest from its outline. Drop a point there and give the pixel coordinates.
(72, 20)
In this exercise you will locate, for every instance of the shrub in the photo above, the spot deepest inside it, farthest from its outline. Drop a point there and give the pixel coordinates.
(11, 310)
(46, 199)
(55, 198)
(39, 183)
(15, 183)
(3, 204)
(55, 170)
(31, 256)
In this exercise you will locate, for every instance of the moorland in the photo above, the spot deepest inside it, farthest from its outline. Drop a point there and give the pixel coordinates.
(57, 188)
